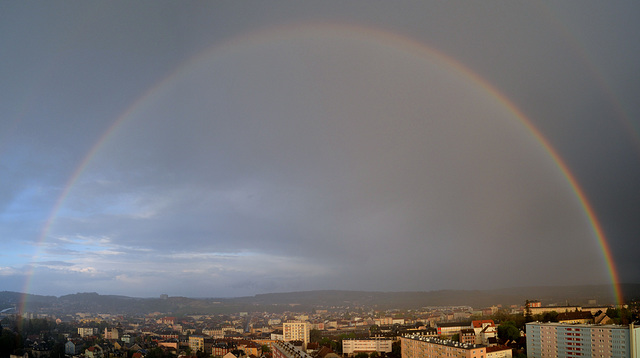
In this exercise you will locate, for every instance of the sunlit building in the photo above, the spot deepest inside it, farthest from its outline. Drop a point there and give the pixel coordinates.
(354, 346)
(196, 343)
(296, 331)
(499, 352)
(582, 340)
(414, 346)
(287, 350)
(87, 331)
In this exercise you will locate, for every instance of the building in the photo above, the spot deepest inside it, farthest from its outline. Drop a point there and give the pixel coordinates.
(468, 336)
(111, 333)
(448, 329)
(485, 330)
(94, 352)
(87, 331)
(499, 352)
(73, 347)
(222, 347)
(250, 347)
(558, 309)
(354, 346)
(582, 340)
(428, 347)
(296, 331)
(575, 317)
(196, 343)
(287, 350)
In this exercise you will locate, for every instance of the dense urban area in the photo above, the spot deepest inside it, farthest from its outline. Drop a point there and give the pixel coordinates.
(291, 330)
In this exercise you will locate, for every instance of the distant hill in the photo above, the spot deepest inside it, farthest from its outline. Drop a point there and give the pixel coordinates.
(307, 300)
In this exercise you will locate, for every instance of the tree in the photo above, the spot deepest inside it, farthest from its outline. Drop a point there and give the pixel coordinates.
(550, 316)
(456, 337)
(395, 350)
(362, 355)
(507, 331)
(527, 315)
(266, 348)
(8, 342)
(315, 335)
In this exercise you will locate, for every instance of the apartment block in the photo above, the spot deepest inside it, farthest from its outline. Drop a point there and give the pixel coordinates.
(87, 331)
(428, 347)
(582, 340)
(196, 343)
(353, 346)
(296, 331)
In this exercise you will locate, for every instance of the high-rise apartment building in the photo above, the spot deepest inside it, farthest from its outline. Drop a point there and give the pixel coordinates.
(582, 340)
(296, 331)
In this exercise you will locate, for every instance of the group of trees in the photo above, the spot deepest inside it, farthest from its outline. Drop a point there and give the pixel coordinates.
(10, 343)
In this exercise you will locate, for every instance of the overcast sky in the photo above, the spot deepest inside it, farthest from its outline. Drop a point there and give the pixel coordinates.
(221, 149)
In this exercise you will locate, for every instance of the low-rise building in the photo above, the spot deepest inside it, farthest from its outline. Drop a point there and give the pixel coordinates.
(73, 347)
(499, 352)
(468, 336)
(94, 352)
(575, 317)
(448, 329)
(485, 330)
(354, 346)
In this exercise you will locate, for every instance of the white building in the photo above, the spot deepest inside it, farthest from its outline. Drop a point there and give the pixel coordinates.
(353, 346)
(296, 331)
(87, 331)
(111, 333)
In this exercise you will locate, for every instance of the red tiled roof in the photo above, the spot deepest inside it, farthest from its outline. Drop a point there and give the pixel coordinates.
(479, 323)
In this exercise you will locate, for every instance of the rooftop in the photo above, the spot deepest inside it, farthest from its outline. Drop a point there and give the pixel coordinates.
(444, 342)
(581, 325)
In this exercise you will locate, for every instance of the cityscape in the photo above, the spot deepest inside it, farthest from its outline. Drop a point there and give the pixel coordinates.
(319, 179)
(294, 330)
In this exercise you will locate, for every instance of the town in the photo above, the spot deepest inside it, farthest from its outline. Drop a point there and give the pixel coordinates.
(527, 330)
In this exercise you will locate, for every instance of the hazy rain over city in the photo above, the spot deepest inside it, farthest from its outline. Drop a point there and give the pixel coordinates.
(223, 149)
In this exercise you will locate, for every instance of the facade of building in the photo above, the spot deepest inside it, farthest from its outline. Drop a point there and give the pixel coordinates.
(296, 331)
(287, 350)
(575, 317)
(73, 347)
(485, 330)
(87, 331)
(448, 329)
(427, 347)
(559, 309)
(468, 336)
(353, 346)
(582, 340)
(196, 343)
(499, 352)
(111, 333)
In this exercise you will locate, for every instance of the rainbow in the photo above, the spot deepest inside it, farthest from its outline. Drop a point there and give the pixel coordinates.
(402, 43)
